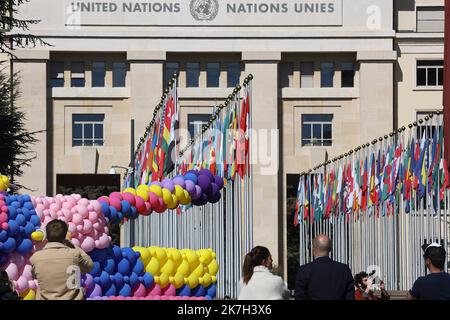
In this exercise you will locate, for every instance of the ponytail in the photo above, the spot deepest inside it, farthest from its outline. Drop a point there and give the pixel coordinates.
(252, 259)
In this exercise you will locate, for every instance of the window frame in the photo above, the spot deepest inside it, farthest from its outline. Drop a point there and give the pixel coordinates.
(84, 124)
(311, 123)
(302, 64)
(203, 123)
(238, 69)
(114, 73)
(166, 76)
(344, 67)
(208, 73)
(58, 74)
(322, 74)
(188, 64)
(428, 87)
(103, 71)
(74, 78)
(419, 7)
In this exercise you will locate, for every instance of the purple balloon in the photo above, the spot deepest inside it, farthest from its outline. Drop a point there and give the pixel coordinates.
(190, 187)
(197, 194)
(179, 181)
(207, 173)
(214, 189)
(88, 281)
(156, 183)
(193, 172)
(215, 198)
(96, 292)
(168, 184)
(204, 182)
(219, 181)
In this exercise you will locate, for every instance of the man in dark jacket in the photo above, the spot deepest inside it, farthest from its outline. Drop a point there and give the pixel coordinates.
(324, 279)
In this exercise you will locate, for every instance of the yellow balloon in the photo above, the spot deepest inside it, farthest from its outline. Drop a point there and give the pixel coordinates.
(163, 280)
(145, 254)
(168, 268)
(28, 295)
(183, 268)
(176, 256)
(205, 280)
(144, 187)
(199, 271)
(143, 194)
(130, 190)
(186, 199)
(191, 281)
(38, 235)
(167, 196)
(213, 279)
(174, 203)
(156, 190)
(179, 192)
(177, 280)
(153, 266)
(213, 267)
(161, 255)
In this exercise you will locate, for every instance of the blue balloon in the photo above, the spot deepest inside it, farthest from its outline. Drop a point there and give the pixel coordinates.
(191, 176)
(109, 266)
(184, 291)
(20, 219)
(26, 213)
(29, 229)
(26, 198)
(13, 227)
(126, 207)
(3, 235)
(25, 246)
(28, 205)
(134, 279)
(35, 220)
(12, 212)
(117, 253)
(96, 269)
(148, 280)
(9, 245)
(105, 208)
(138, 267)
(105, 281)
(199, 291)
(125, 291)
(208, 297)
(118, 280)
(133, 213)
(16, 204)
(124, 267)
(119, 217)
(129, 254)
(211, 290)
(112, 291)
(112, 213)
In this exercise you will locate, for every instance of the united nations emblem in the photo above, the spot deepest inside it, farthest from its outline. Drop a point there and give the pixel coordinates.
(204, 9)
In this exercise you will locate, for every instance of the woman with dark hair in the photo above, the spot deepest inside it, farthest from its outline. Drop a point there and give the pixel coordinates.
(258, 283)
(7, 291)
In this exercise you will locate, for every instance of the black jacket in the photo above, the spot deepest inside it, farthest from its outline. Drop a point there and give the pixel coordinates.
(324, 279)
(7, 294)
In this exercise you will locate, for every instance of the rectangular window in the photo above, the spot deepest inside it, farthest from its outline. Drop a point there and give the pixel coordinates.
(77, 74)
(192, 74)
(171, 68)
(287, 75)
(317, 130)
(429, 126)
(119, 74)
(347, 75)
(233, 74)
(327, 75)
(307, 75)
(57, 74)
(430, 19)
(212, 74)
(196, 122)
(430, 73)
(98, 74)
(87, 130)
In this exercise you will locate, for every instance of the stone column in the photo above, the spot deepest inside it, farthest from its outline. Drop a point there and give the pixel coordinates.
(267, 216)
(146, 86)
(32, 68)
(376, 70)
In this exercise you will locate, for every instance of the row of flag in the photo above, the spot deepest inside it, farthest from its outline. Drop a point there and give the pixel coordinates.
(153, 158)
(403, 173)
(224, 147)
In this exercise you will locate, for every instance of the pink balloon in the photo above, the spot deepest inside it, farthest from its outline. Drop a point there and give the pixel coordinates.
(129, 197)
(13, 271)
(72, 227)
(66, 212)
(47, 219)
(154, 290)
(75, 242)
(4, 209)
(67, 205)
(50, 200)
(139, 291)
(21, 284)
(83, 202)
(47, 212)
(55, 207)
(82, 210)
(88, 244)
(104, 199)
(5, 225)
(140, 204)
(53, 214)
(77, 218)
(93, 216)
(148, 208)
(117, 195)
(87, 226)
(62, 218)
(3, 217)
(169, 290)
(27, 272)
(96, 205)
(77, 197)
(32, 284)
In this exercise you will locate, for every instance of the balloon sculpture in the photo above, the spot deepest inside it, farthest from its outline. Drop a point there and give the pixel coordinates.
(118, 273)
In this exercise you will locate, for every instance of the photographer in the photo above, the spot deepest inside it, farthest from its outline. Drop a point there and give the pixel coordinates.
(364, 288)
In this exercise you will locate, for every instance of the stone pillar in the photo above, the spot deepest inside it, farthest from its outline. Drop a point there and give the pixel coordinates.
(32, 68)
(146, 86)
(267, 226)
(376, 71)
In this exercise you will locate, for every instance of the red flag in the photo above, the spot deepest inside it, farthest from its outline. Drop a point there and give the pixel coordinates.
(242, 142)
